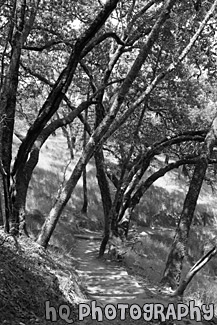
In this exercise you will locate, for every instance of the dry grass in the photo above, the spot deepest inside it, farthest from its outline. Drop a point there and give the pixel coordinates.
(203, 290)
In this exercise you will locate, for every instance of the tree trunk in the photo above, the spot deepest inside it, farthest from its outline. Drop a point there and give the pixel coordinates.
(124, 222)
(1, 205)
(68, 135)
(19, 196)
(85, 198)
(102, 179)
(53, 217)
(106, 197)
(6, 201)
(8, 104)
(3, 199)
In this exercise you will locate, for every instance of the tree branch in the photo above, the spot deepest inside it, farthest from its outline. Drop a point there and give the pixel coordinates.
(159, 146)
(53, 126)
(99, 40)
(139, 14)
(45, 46)
(118, 122)
(142, 188)
(196, 268)
(65, 98)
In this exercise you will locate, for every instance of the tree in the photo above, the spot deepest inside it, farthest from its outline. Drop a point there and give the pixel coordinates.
(20, 21)
(174, 263)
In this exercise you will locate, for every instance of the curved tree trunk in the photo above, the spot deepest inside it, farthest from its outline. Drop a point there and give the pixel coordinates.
(193, 271)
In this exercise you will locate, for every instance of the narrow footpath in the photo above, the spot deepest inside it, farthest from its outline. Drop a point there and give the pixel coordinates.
(108, 282)
(105, 281)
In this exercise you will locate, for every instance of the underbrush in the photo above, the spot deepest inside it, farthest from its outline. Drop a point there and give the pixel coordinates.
(148, 254)
(203, 290)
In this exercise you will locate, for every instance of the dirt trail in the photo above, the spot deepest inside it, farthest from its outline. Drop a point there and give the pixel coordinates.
(105, 281)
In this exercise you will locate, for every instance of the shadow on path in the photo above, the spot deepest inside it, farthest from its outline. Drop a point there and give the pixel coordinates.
(109, 283)
(105, 281)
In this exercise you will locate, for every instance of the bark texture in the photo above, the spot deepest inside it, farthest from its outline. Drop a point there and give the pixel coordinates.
(85, 197)
(106, 197)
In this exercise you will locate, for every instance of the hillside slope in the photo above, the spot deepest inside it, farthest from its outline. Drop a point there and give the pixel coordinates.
(30, 277)
(163, 199)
